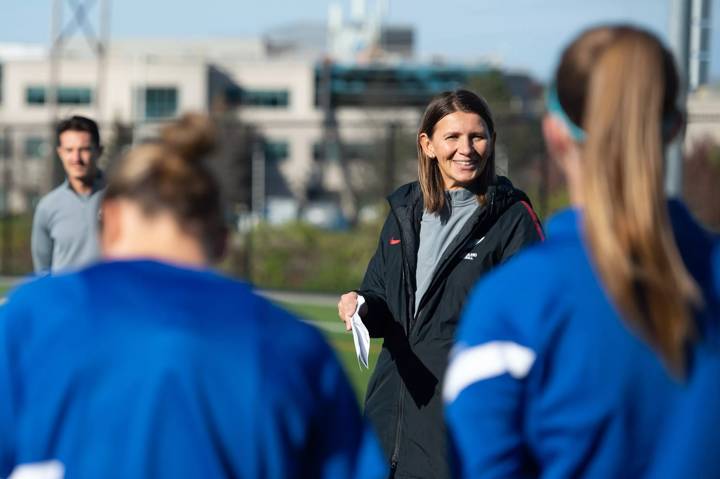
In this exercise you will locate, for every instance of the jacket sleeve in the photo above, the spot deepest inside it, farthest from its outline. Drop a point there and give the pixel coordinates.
(41, 243)
(523, 229)
(484, 388)
(373, 288)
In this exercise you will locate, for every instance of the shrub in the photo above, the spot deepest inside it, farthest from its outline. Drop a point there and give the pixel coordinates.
(299, 256)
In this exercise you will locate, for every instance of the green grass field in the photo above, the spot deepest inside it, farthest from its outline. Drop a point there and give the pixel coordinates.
(341, 340)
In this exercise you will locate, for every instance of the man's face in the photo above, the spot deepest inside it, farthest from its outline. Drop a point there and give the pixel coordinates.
(78, 154)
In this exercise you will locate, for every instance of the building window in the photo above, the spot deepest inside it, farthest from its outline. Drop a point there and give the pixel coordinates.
(35, 147)
(75, 96)
(161, 103)
(258, 98)
(266, 98)
(276, 150)
(350, 151)
(35, 95)
(38, 95)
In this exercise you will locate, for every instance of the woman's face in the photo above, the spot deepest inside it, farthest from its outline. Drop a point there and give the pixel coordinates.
(461, 144)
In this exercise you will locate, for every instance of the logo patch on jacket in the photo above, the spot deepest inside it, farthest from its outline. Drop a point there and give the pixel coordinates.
(473, 243)
(394, 241)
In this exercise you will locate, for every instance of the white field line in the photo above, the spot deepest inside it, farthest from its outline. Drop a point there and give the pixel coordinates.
(331, 327)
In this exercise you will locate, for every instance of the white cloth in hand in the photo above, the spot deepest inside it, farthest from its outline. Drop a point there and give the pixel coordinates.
(361, 336)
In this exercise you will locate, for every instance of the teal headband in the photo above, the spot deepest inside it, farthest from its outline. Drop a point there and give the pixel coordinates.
(552, 103)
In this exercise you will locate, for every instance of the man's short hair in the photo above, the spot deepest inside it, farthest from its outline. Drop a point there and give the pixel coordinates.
(79, 123)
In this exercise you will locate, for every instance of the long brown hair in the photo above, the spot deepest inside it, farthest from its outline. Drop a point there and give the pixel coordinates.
(171, 175)
(620, 84)
(430, 178)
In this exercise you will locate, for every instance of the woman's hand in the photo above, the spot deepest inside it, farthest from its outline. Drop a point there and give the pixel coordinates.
(346, 308)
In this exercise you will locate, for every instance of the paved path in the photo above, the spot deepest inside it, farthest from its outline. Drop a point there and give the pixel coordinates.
(301, 298)
(330, 327)
(309, 298)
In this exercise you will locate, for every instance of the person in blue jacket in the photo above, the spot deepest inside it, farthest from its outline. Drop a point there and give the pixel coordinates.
(689, 447)
(150, 365)
(570, 359)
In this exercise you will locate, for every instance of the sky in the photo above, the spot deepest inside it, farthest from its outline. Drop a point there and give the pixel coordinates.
(524, 35)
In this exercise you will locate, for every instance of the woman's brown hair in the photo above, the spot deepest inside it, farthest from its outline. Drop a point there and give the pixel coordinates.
(431, 181)
(620, 84)
(171, 175)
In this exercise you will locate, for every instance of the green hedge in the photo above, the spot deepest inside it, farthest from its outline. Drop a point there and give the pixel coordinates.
(295, 256)
(299, 256)
(15, 259)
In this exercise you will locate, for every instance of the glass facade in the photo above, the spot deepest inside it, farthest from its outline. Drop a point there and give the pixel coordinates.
(161, 102)
(276, 150)
(257, 98)
(383, 86)
(38, 95)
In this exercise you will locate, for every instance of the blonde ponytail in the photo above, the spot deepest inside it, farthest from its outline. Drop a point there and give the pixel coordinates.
(626, 219)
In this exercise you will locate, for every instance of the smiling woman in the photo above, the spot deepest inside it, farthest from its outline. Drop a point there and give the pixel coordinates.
(460, 145)
(443, 233)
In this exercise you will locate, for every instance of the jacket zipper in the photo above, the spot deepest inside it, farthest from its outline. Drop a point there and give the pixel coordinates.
(413, 316)
(396, 449)
(410, 314)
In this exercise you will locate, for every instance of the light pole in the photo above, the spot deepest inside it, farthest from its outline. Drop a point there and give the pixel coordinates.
(690, 22)
(680, 46)
(98, 42)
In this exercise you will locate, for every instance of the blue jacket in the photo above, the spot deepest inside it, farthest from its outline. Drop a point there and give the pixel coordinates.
(689, 448)
(547, 380)
(142, 369)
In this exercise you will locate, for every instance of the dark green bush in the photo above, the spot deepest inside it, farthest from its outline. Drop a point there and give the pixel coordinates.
(15, 259)
(299, 256)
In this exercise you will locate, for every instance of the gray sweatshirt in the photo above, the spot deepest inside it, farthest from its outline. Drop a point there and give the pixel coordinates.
(437, 231)
(65, 225)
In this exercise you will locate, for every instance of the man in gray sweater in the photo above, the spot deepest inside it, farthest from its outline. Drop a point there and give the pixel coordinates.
(64, 233)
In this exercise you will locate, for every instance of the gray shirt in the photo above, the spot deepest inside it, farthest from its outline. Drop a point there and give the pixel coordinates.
(437, 231)
(65, 226)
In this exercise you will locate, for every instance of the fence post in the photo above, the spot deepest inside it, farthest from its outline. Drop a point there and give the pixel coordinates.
(390, 157)
(5, 155)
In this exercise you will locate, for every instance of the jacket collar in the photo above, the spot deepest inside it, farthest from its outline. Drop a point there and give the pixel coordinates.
(406, 204)
(565, 223)
(99, 183)
(501, 195)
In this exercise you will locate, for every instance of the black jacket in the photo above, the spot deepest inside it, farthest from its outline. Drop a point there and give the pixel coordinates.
(404, 394)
